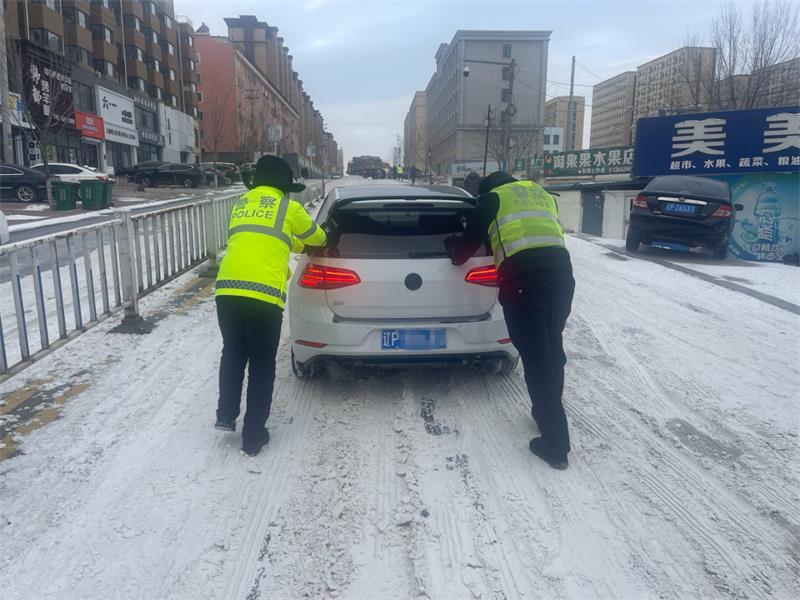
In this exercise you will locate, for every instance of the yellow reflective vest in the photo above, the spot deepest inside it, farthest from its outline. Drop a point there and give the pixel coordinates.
(265, 226)
(526, 218)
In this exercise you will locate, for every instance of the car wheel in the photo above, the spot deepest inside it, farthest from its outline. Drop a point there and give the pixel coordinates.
(632, 241)
(25, 193)
(188, 182)
(300, 370)
(721, 252)
(146, 182)
(508, 365)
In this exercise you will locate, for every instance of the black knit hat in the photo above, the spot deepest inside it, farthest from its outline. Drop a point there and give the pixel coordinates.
(494, 180)
(275, 172)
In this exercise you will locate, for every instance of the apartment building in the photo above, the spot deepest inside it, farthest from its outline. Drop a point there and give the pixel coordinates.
(612, 111)
(133, 79)
(680, 81)
(415, 133)
(457, 105)
(771, 87)
(556, 115)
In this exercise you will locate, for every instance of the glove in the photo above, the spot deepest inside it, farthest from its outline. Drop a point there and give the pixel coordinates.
(330, 227)
(452, 246)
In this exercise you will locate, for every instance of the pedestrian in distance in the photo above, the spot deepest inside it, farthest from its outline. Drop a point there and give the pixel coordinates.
(265, 226)
(536, 289)
(413, 175)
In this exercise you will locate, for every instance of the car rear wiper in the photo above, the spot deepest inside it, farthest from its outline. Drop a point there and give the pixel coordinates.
(429, 254)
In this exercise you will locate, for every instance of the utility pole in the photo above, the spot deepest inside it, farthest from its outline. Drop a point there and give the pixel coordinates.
(570, 125)
(486, 142)
(8, 150)
(508, 113)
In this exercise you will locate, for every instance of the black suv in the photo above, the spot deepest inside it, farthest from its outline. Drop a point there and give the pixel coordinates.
(692, 211)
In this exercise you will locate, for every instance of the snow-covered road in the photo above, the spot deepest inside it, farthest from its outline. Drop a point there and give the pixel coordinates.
(683, 401)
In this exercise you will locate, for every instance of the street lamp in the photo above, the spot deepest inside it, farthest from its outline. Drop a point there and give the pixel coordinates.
(508, 112)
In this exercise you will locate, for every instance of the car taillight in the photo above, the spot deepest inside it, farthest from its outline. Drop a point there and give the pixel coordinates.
(321, 277)
(311, 344)
(640, 201)
(102, 178)
(504, 341)
(724, 211)
(486, 275)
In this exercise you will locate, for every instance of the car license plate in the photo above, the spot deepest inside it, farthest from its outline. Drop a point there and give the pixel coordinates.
(678, 208)
(413, 339)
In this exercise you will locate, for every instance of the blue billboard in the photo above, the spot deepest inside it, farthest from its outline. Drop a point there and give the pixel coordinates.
(765, 140)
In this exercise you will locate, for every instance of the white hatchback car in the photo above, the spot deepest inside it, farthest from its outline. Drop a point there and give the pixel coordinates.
(384, 292)
(74, 173)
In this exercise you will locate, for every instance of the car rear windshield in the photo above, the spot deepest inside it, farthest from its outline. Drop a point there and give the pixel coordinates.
(690, 186)
(389, 231)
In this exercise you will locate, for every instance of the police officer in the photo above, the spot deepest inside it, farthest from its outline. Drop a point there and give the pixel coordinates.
(536, 288)
(265, 225)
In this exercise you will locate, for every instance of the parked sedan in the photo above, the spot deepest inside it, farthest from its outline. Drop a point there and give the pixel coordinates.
(4, 235)
(686, 210)
(175, 174)
(142, 169)
(21, 183)
(384, 292)
(73, 173)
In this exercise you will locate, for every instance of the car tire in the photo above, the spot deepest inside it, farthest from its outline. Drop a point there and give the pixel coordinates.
(301, 370)
(25, 193)
(508, 365)
(632, 241)
(721, 252)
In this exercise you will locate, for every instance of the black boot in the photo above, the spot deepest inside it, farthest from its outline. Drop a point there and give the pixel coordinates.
(555, 460)
(225, 424)
(252, 445)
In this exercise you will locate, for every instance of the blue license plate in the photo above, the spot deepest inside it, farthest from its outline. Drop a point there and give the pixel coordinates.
(413, 339)
(678, 208)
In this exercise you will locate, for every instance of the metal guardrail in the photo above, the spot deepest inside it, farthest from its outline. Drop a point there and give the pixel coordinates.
(58, 285)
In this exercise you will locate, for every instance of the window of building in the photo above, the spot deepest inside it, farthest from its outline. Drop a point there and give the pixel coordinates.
(134, 53)
(547, 139)
(150, 35)
(189, 86)
(106, 68)
(51, 4)
(506, 73)
(146, 120)
(505, 95)
(151, 7)
(155, 92)
(166, 20)
(167, 47)
(102, 33)
(153, 63)
(73, 15)
(133, 22)
(137, 83)
(171, 100)
(83, 96)
(556, 139)
(506, 50)
(199, 96)
(79, 56)
(107, 4)
(169, 73)
(47, 38)
(188, 63)
(187, 40)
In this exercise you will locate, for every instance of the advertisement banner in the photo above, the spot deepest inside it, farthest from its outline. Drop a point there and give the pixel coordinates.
(117, 112)
(597, 161)
(48, 86)
(767, 229)
(719, 143)
(89, 125)
(460, 169)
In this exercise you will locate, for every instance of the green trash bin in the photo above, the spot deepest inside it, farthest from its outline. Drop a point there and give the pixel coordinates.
(65, 195)
(95, 194)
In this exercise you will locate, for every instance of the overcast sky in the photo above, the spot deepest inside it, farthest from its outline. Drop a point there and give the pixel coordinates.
(362, 60)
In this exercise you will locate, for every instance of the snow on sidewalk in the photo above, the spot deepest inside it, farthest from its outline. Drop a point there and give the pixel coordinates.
(683, 480)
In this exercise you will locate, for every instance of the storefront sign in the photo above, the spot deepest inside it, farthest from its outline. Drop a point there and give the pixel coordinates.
(19, 117)
(597, 161)
(148, 137)
(146, 103)
(459, 169)
(89, 125)
(118, 113)
(720, 143)
(48, 87)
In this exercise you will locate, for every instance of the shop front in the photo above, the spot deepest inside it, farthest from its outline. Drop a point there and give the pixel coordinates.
(151, 141)
(92, 131)
(119, 150)
(179, 135)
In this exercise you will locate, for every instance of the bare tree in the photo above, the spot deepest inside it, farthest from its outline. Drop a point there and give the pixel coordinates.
(747, 50)
(216, 124)
(525, 142)
(44, 78)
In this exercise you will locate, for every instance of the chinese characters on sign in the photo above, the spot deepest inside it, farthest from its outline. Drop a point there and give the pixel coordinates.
(761, 140)
(48, 89)
(598, 161)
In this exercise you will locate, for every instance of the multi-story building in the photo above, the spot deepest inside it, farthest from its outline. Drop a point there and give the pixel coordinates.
(776, 86)
(415, 133)
(681, 81)
(556, 111)
(553, 139)
(612, 111)
(457, 105)
(131, 66)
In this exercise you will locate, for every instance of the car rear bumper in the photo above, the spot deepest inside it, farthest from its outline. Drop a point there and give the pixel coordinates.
(361, 342)
(651, 228)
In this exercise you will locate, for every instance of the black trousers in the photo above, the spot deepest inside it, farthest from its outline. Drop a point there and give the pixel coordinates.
(536, 306)
(251, 330)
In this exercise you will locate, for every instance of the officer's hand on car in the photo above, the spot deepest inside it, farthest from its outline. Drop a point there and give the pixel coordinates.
(330, 227)
(452, 246)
